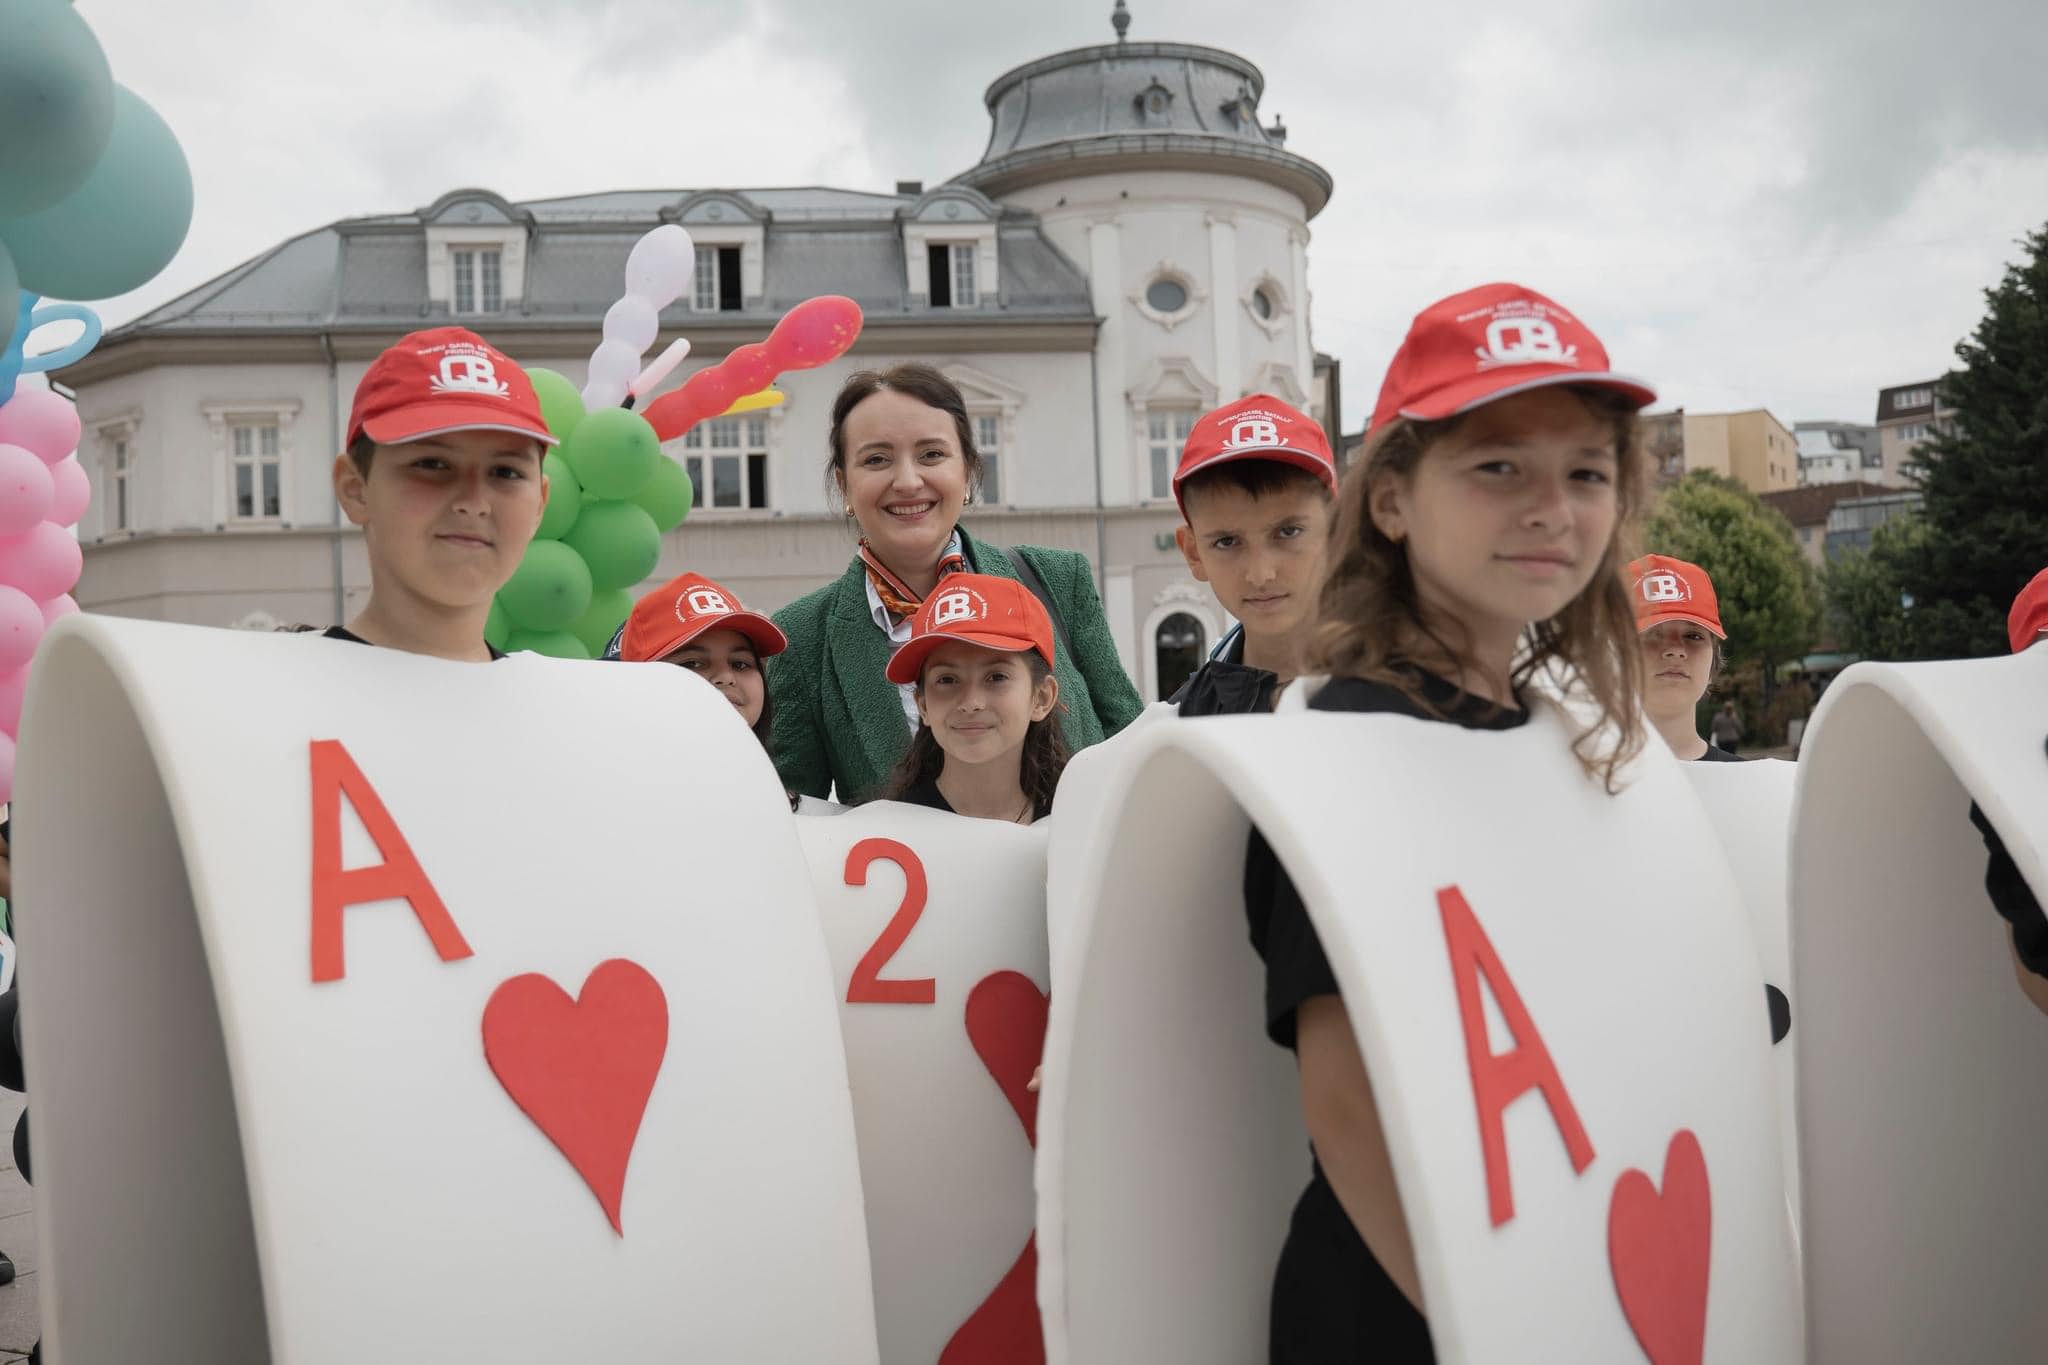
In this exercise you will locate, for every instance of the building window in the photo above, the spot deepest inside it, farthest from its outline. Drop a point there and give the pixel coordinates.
(727, 462)
(952, 282)
(1166, 431)
(1873, 459)
(1177, 648)
(1166, 295)
(1912, 398)
(256, 469)
(988, 442)
(119, 468)
(479, 280)
(717, 280)
(1262, 304)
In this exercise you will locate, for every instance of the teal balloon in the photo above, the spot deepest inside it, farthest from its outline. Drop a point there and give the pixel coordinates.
(561, 406)
(549, 589)
(565, 498)
(497, 626)
(667, 496)
(56, 104)
(556, 644)
(608, 611)
(614, 453)
(618, 540)
(10, 309)
(118, 229)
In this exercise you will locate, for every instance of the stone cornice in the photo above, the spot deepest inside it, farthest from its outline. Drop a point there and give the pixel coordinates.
(1123, 153)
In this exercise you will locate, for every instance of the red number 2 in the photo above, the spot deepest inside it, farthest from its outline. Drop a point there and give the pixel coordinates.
(867, 986)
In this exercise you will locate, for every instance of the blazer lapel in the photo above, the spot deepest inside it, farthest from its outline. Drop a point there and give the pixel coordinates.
(855, 657)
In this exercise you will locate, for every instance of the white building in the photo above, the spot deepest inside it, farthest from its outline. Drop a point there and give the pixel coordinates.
(1130, 250)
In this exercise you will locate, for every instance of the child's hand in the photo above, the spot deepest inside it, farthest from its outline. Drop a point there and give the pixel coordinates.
(1032, 1085)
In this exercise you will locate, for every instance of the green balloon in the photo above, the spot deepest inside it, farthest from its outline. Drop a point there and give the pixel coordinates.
(667, 496)
(561, 406)
(608, 611)
(613, 453)
(549, 589)
(618, 540)
(565, 498)
(556, 644)
(56, 103)
(497, 626)
(117, 230)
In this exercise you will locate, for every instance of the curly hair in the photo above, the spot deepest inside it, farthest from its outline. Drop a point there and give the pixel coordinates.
(1039, 767)
(1373, 626)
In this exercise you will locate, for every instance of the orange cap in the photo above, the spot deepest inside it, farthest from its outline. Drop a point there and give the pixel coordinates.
(975, 609)
(1668, 589)
(685, 607)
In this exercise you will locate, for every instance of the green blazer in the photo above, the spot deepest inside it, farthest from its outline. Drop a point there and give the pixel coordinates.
(839, 721)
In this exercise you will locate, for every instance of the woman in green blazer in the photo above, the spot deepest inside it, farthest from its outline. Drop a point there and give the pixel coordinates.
(903, 458)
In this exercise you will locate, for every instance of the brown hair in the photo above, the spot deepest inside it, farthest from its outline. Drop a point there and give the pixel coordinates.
(360, 452)
(1257, 478)
(1039, 766)
(914, 380)
(1372, 622)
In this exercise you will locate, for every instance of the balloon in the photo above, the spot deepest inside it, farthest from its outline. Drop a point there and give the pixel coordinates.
(71, 491)
(497, 629)
(13, 688)
(565, 498)
(26, 490)
(634, 321)
(45, 562)
(810, 334)
(618, 540)
(6, 768)
(30, 317)
(659, 368)
(612, 368)
(661, 267)
(21, 628)
(667, 496)
(556, 644)
(118, 229)
(814, 332)
(613, 454)
(560, 405)
(57, 608)
(56, 103)
(756, 402)
(43, 420)
(549, 589)
(608, 611)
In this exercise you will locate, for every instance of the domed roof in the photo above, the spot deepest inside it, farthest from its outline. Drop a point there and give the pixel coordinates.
(1142, 106)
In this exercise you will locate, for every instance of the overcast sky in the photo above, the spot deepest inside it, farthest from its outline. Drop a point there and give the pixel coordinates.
(1779, 203)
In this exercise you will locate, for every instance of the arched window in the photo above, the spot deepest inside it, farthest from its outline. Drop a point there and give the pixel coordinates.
(1177, 649)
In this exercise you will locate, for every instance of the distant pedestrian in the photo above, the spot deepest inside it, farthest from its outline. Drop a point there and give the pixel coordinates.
(1726, 728)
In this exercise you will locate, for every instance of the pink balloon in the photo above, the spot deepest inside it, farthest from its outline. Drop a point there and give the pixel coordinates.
(21, 628)
(71, 491)
(13, 688)
(57, 608)
(6, 768)
(26, 490)
(41, 420)
(44, 563)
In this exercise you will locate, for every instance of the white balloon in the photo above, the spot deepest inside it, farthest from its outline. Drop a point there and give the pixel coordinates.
(612, 367)
(660, 266)
(634, 321)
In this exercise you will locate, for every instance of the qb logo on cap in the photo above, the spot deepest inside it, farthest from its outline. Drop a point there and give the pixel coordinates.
(961, 604)
(1664, 586)
(1262, 432)
(1524, 341)
(705, 602)
(469, 372)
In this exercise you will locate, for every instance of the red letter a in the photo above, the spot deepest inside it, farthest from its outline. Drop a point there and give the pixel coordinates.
(1498, 1079)
(399, 876)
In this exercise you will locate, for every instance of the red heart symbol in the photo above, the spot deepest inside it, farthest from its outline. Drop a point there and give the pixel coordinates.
(1006, 1015)
(582, 1069)
(1658, 1245)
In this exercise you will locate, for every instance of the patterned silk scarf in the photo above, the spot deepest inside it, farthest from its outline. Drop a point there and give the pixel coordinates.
(896, 595)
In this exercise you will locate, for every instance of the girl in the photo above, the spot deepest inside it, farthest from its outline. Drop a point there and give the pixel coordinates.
(1679, 623)
(980, 661)
(1477, 543)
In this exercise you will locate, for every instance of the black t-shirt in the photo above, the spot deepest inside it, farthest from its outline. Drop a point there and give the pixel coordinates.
(344, 633)
(1716, 754)
(1331, 1300)
(925, 792)
(2013, 899)
(1226, 686)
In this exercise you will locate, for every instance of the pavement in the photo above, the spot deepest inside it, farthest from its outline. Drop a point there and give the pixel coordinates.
(18, 1309)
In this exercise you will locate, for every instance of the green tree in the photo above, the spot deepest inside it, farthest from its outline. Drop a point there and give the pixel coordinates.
(1770, 601)
(1866, 592)
(1985, 475)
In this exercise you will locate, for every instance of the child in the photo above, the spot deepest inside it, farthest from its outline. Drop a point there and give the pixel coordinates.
(1478, 542)
(1676, 614)
(980, 657)
(2026, 626)
(696, 624)
(1254, 488)
(442, 471)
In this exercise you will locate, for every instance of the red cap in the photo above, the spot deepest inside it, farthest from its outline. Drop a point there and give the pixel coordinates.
(444, 379)
(1668, 589)
(2029, 614)
(1487, 343)
(1260, 427)
(685, 607)
(976, 609)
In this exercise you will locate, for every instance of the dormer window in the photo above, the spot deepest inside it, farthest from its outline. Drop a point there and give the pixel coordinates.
(718, 280)
(952, 281)
(479, 278)
(1155, 104)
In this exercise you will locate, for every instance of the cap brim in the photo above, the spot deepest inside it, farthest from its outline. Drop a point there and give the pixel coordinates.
(760, 632)
(1480, 389)
(419, 422)
(908, 662)
(1307, 461)
(1643, 623)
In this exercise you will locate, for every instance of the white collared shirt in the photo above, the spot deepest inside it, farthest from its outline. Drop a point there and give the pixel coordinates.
(899, 634)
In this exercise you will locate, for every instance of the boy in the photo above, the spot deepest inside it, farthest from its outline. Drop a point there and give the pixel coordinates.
(442, 470)
(1254, 487)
